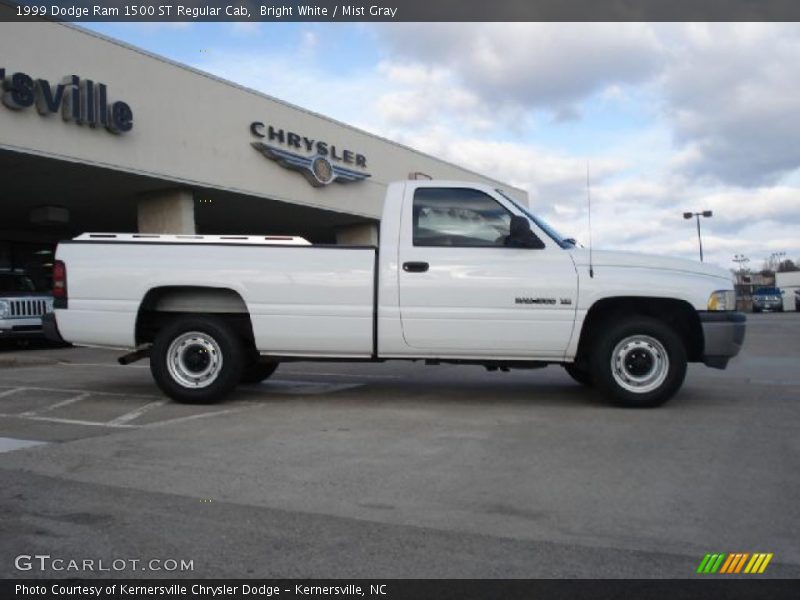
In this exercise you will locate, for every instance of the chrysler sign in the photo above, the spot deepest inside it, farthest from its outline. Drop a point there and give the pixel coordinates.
(320, 162)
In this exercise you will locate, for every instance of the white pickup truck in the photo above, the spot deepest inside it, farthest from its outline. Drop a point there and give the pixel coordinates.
(463, 274)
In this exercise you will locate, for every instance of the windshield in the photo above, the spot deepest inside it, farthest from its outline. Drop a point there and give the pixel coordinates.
(11, 282)
(559, 239)
(767, 291)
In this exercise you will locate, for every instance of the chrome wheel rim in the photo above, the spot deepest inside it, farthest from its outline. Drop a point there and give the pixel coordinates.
(639, 364)
(194, 360)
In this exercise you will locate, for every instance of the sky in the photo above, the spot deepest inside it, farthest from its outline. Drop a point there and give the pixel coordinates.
(668, 117)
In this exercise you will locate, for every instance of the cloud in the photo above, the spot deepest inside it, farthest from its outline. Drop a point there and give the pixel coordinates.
(732, 92)
(546, 65)
(547, 175)
(310, 39)
(245, 28)
(297, 78)
(735, 208)
(147, 28)
(424, 96)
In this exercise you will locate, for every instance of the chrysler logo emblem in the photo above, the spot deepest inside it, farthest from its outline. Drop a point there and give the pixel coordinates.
(317, 169)
(321, 164)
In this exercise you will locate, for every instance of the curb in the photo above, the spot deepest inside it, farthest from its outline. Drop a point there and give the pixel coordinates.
(8, 362)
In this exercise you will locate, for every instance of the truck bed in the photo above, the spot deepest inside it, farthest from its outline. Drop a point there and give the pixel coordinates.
(302, 299)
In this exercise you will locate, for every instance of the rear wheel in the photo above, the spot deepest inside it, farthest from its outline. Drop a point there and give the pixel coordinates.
(197, 359)
(639, 362)
(258, 371)
(582, 376)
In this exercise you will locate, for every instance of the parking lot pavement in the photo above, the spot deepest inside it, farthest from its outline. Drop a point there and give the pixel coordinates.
(402, 470)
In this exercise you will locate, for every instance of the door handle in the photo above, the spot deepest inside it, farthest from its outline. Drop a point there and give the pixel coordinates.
(415, 267)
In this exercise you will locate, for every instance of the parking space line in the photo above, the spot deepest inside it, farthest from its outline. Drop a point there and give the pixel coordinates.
(199, 416)
(63, 363)
(57, 405)
(99, 393)
(70, 421)
(135, 414)
(302, 388)
(153, 402)
(11, 444)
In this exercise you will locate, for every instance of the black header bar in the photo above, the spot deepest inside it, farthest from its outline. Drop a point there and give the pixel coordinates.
(400, 10)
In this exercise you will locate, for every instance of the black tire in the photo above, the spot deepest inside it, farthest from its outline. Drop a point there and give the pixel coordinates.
(199, 340)
(258, 371)
(582, 376)
(649, 355)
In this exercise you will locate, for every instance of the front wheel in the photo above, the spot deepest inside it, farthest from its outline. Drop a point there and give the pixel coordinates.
(639, 363)
(197, 359)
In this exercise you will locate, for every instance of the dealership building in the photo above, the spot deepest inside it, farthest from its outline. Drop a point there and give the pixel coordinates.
(96, 135)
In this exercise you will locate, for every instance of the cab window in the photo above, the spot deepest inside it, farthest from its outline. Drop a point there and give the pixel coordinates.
(459, 217)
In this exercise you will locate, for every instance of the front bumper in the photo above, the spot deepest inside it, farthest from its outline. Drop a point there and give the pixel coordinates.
(768, 305)
(723, 334)
(20, 328)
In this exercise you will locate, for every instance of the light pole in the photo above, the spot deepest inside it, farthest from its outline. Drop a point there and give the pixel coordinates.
(775, 260)
(697, 215)
(741, 260)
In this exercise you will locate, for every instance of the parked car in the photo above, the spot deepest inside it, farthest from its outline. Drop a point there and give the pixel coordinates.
(21, 306)
(462, 274)
(767, 299)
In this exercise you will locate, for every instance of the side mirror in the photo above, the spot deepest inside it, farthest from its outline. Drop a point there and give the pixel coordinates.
(520, 234)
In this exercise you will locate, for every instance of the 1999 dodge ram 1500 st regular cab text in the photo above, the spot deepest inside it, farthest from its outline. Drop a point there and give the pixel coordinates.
(463, 274)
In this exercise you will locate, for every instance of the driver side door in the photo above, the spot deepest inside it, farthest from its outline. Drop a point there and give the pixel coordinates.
(464, 293)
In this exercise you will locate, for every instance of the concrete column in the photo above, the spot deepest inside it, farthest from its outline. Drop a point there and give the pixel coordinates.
(361, 234)
(168, 211)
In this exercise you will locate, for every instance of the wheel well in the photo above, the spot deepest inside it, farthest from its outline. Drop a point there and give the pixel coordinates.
(678, 314)
(162, 304)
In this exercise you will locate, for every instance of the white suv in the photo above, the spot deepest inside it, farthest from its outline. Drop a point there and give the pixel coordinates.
(21, 306)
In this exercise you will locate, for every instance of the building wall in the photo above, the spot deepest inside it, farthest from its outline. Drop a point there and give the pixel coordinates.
(789, 283)
(191, 128)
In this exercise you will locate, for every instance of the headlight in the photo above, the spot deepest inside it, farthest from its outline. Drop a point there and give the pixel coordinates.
(4, 309)
(722, 300)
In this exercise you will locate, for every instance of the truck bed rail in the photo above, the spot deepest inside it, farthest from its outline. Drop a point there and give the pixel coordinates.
(162, 238)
